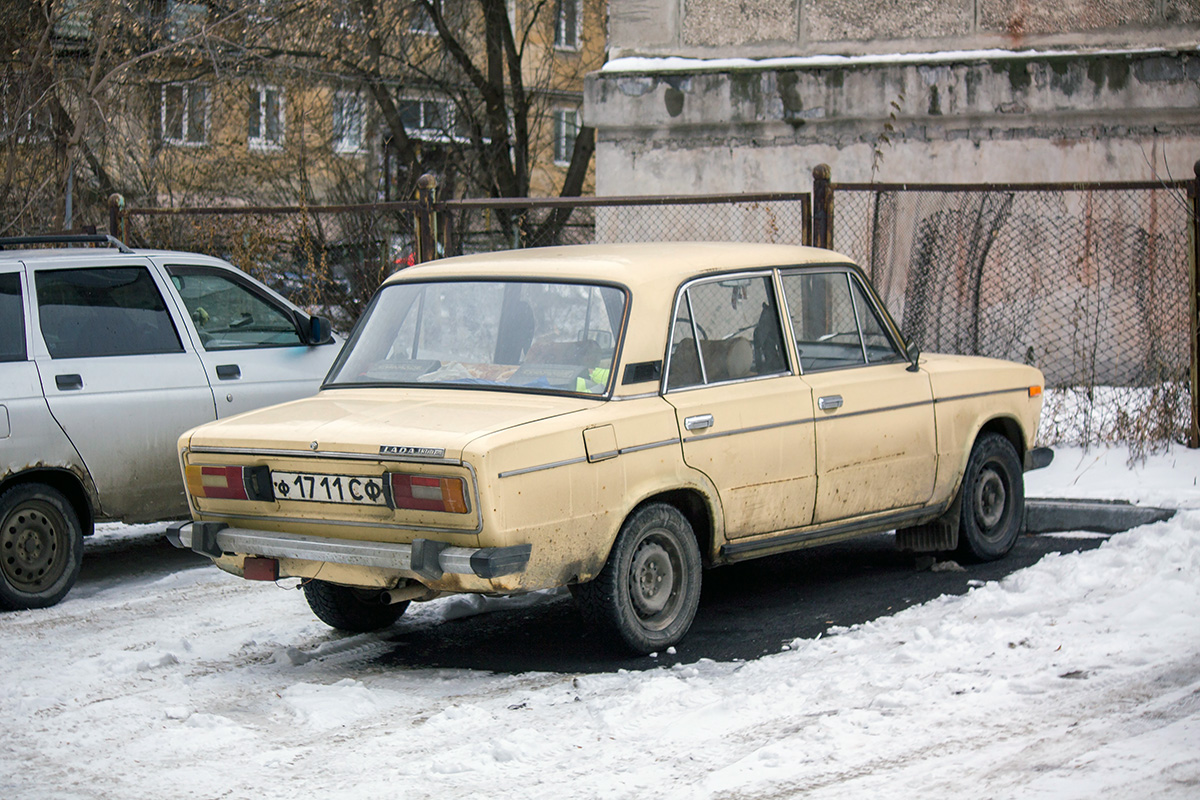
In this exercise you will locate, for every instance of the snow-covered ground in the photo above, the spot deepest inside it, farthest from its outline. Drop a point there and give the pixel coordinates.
(1078, 677)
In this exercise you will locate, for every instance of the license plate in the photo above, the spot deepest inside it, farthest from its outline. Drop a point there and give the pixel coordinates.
(319, 487)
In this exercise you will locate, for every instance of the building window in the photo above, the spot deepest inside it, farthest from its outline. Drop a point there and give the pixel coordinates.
(566, 128)
(347, 122)
(185, 114)
(265, 118)
(421, 20)
(568, 25)
(430, 119)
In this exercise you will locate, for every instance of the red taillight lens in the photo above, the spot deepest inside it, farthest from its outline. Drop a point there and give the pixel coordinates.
(221, 482)
(429, 493)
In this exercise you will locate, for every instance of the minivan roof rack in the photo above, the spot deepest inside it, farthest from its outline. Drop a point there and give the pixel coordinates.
(65, 238)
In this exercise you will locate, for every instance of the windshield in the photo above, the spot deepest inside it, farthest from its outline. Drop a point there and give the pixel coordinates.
(519, 334)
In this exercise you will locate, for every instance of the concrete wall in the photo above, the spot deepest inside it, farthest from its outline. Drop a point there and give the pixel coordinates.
(756, 28)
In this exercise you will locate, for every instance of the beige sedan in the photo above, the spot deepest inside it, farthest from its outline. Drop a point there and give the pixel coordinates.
(616, 419)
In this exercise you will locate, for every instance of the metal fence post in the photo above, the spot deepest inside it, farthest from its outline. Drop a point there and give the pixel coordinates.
(822, 215)
(426, 226)
(1194, 304)
(116, 216)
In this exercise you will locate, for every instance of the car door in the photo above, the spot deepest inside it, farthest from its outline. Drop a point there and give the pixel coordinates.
(876, 449)
(744, 418)
(253, 351)
(119, 378)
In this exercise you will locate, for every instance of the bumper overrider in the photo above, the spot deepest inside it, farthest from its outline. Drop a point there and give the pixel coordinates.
(425, 557)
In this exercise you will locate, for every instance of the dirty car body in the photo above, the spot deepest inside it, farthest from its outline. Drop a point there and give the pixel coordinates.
(107, 354)
(614, 419)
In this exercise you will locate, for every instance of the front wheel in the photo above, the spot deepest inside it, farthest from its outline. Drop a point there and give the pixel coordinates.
(993, 500)
(649, 589)
(348, 609)
(41, 546)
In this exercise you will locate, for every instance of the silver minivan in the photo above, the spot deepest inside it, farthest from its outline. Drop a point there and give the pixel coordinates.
(107, 355)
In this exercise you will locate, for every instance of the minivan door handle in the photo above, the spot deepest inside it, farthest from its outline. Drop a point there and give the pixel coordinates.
(830, 402)
(68, 383)
(698, 422)
(229, 372)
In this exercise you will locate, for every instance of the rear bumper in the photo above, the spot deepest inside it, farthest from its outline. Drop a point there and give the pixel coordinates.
(425, 557)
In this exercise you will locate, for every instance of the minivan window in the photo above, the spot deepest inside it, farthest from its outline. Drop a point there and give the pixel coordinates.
(104, 311)
(12, 318)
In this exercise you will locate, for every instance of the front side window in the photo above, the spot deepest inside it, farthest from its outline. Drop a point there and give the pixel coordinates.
(347, 122)
(725, 329)
(12, 318)
(228, 315)
(566, 128)
(834, 325)
(184, 114)
(567, 25)
(531, 336)
(109, 311)
(265, 117)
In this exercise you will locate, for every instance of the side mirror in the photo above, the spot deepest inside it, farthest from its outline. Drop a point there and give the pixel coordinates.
(914, 355)
(319, 330)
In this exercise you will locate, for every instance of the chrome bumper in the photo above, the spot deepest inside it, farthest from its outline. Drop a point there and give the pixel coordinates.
(425, 557)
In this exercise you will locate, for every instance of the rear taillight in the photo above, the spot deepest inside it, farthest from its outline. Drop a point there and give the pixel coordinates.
(429, 493)
(229, 483)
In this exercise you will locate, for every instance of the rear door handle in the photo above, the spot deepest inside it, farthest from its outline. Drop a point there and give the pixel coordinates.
(830, 402)
(698, 422)
(67, 383)
(229, 372)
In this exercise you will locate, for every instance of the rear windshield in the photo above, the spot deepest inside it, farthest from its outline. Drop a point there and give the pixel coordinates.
(555, 337)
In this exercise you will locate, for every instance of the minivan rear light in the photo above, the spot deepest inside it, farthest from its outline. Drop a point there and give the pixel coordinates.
(429, 493)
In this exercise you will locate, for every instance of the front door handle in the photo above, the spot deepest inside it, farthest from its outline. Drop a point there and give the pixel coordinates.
(830, 402)
(229, 372)
(67, 383)
(698, 422)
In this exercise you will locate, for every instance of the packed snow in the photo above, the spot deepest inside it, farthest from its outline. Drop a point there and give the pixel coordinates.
(1078, 677)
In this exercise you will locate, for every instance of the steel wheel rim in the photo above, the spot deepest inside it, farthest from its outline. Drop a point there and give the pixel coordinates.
(991, 499)
(655, 580)
(33, 546)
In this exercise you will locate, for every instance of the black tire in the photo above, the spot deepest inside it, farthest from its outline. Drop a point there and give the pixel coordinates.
(41, 547)
(647, 594)
(347, 609)
(993, 500)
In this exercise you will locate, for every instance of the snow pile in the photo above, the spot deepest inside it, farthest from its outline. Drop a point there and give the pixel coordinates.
(1075, 678)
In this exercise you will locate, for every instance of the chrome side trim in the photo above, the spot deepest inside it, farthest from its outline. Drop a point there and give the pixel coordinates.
(526, 470)
(637, 448)
(754, 429)
(1021, 389)
(864, 413)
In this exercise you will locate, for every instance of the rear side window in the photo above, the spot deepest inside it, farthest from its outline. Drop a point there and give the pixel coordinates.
(12, 318)
(726, 330)
(108, 311)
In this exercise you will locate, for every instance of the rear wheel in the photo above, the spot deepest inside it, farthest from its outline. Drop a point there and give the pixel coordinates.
(649, 589)
(348, 609)
(993, 500)
(41, 546)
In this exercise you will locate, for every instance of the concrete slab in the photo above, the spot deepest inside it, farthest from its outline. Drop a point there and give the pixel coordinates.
(1099, 516)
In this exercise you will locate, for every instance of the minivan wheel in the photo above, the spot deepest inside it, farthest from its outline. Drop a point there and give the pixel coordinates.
(649, 589)
(41, 546)
(349, 609)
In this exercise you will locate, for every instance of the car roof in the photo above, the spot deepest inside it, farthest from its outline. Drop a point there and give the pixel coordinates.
(633, 265)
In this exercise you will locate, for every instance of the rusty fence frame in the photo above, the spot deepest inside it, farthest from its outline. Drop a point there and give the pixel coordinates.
(825, 191)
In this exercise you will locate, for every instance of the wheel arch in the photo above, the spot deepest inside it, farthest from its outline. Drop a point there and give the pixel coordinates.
(1009, 428)
(64, 481)
(695, 508)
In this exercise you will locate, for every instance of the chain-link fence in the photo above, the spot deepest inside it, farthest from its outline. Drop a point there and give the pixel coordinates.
(1088, 283)
(332, 258)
